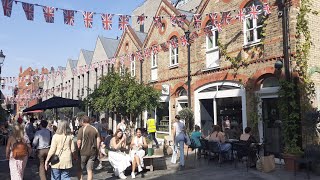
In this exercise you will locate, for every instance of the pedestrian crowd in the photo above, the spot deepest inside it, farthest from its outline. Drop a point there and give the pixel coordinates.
(60, 146)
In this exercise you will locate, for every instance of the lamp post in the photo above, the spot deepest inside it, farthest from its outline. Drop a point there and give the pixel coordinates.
(2, 57)
(187, 34)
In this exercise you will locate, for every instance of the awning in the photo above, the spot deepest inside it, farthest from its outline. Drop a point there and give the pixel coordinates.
(54, 102)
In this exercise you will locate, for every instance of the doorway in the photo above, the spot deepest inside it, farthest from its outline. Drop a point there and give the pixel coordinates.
(271, 126)
(206, 115)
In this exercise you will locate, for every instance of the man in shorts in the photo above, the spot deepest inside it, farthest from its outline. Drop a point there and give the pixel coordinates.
(88, 143)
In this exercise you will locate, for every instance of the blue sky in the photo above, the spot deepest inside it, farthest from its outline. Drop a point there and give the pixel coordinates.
(39, 44)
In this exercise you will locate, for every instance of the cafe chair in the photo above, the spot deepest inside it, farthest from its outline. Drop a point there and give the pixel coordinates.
(241, 150)
(215, 151)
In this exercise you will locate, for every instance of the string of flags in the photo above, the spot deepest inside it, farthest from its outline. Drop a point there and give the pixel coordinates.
(218, 18)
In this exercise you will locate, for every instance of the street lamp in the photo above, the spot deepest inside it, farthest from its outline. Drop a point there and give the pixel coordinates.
(187, 34)
(2, 57)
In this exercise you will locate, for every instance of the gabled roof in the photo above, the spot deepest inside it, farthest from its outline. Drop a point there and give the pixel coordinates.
(72, 63)
(138, 38)
(87, 55)
(175, 12)
(110, 45)
(142, 36)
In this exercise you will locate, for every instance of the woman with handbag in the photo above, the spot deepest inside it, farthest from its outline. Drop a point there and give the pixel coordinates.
(17, 151)
(60, 153)
(179, 138)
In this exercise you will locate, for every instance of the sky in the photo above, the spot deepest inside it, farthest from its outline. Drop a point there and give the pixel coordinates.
(39, 44)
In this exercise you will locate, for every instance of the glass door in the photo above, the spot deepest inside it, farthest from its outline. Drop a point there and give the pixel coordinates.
(271, 126)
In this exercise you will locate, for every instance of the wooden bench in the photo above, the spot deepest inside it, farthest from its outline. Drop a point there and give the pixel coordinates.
(151, 158)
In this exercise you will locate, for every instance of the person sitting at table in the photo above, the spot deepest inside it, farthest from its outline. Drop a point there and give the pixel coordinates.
(118, 159)
(234, 132)
(250, 141)
(137, 152)
(196, 135)
(218, 136)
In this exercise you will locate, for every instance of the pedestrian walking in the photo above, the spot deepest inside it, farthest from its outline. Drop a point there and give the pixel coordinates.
(60, 154)
(152, 128)
(17, 151)
(88, 143)
(41, 142)
(30, 129)
(178, 134)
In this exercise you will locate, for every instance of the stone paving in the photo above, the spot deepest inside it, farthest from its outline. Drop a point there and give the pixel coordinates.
(195, 169)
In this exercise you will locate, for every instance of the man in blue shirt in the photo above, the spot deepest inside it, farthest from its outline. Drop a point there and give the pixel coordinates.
(42, 142)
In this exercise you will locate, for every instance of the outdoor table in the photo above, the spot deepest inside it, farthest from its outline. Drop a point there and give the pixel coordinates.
(232, 141)
(151, 160)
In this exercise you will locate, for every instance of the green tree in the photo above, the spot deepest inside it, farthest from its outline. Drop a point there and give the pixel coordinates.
(124, 95)
(188, 116)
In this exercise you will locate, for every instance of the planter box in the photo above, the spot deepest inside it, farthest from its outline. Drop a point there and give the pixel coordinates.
(289, 162)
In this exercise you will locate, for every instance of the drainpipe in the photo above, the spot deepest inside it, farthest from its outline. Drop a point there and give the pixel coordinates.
(286, 47)
(187, 34)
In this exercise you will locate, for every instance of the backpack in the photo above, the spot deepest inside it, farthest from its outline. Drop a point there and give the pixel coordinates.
(19, 150)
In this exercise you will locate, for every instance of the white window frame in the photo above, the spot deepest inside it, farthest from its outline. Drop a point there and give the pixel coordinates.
(175, 55)
(133, 67)
(214, 45)
(255, 28)
(154, 60)
(122, 69)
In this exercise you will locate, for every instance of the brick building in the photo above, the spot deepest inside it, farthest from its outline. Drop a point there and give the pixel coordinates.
(218, 90)
(28, 87)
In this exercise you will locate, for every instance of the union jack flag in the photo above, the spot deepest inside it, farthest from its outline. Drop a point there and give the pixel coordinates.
(181, 19)
(139, 55)
(48, 13)
(28, 10)
(123, 22)
(197, 20)
(266, 9)
(112, 60)
(157, 21)
(184, 41)
(68, 16)
(254, 12)
(141, 19)
(164, 46)
(7, 7)
(155, 49)
(147, 52)
(174, 43)
(241, 15)
(207, 30)
(213, 18)
(218, 26)
(226, 17)
(194, 35)
(107, 21)
(173, 20)
(122, 59)
(88, 19)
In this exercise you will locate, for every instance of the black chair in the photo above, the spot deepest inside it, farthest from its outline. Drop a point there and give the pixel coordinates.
(193, 147)
(242, 150)
(204, 147)
(311, 155)
(214, 150)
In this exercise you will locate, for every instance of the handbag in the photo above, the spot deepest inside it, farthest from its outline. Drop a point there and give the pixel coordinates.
(265, 163)
(55, 159)
(187, 139)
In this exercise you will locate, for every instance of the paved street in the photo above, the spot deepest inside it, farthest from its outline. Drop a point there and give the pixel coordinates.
(199, 169)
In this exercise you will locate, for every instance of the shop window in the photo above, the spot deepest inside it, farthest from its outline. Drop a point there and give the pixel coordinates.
(252, 27)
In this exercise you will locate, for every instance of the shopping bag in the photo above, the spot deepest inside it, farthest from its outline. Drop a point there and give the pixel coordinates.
(174, 155)
(266, 163)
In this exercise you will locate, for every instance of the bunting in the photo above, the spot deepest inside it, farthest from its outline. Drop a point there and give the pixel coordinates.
(197, 18)
(48, 13)
(254, 12)
(157, 21)
(88, 19)
(141, 19)
(68, 16)
(28, 10)
(7, 7)
(107, 21)
(123, 22)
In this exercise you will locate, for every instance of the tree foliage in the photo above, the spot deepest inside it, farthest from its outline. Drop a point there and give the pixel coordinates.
(123, 94)
(188, 116)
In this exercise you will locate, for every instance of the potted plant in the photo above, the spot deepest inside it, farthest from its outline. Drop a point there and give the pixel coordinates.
(290, 114)
(187, 115)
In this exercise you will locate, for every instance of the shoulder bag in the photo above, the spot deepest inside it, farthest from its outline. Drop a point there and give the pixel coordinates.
(55, 159)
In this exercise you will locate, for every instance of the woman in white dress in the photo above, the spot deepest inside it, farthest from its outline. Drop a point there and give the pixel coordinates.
(137, 153)
(179, 139)
(118, 159)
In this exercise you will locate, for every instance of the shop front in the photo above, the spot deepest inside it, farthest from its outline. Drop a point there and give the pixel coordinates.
(220, 101)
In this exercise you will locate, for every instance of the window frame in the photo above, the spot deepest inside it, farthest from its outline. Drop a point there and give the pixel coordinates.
(154, 60)
(133, 67)
(175, 55)
(255, 26)
(215, 36)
